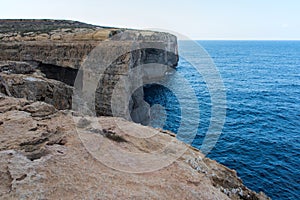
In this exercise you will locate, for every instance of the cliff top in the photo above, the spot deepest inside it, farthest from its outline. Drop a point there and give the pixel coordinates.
(66, 43)
(47, 30)
(40, 25)
(50, 154)
(51, 30)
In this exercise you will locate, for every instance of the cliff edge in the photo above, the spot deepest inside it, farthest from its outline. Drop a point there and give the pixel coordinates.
(52, 148)
(43, 155)
(77, 54)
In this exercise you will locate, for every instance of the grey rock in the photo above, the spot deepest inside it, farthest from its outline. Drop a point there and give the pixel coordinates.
(38, 88)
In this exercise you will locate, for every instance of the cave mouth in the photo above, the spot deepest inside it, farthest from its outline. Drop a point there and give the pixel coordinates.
(66, 75)
(165, 111)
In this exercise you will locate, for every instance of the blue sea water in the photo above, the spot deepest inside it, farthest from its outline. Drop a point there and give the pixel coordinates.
(261, 135)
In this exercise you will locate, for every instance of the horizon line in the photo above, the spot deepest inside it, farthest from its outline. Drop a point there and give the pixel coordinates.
(241, 39)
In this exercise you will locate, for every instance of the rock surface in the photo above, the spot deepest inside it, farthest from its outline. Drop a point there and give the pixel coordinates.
(25, 81)
(59, 48)
(47, 151)
(43, 156)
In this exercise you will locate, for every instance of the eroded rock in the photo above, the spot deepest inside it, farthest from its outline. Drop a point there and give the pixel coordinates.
(38, 88)
(50, 154)
(55, 49)
(47, 158)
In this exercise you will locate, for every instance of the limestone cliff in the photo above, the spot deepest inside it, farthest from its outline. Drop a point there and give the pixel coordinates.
(58, 49)
(53, 148)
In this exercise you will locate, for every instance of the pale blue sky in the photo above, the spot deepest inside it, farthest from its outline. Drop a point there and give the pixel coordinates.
(197, 19)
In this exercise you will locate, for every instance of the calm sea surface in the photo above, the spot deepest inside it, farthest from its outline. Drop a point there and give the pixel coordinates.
(261, 135)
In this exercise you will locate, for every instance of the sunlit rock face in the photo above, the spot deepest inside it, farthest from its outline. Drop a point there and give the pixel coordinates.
(111, 62)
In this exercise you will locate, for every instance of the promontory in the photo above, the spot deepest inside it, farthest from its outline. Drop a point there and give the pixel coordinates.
(72, 118)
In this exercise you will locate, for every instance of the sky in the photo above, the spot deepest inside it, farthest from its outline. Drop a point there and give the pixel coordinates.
(196, 19)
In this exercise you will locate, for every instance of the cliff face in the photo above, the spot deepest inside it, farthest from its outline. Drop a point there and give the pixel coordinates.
(60, 43)
(58, 49)
(50, 70)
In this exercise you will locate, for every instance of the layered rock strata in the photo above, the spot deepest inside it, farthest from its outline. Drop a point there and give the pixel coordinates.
(49, 151)
(59, 49)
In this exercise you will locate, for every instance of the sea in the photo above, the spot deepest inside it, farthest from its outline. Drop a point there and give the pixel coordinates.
(260, 137)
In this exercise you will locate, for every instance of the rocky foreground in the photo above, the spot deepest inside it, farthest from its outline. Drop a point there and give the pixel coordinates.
(50, 151)
(42, 156)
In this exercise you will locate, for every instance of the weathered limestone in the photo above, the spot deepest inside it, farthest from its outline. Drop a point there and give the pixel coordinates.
(42, 156)
(25, 81)
(50, 154)
(105, 56)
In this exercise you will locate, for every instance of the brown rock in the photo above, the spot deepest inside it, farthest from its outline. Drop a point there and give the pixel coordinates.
(51, 154)
(48, 158)
(59, 48)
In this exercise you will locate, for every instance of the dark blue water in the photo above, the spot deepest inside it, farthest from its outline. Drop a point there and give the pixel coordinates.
(261, 135)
